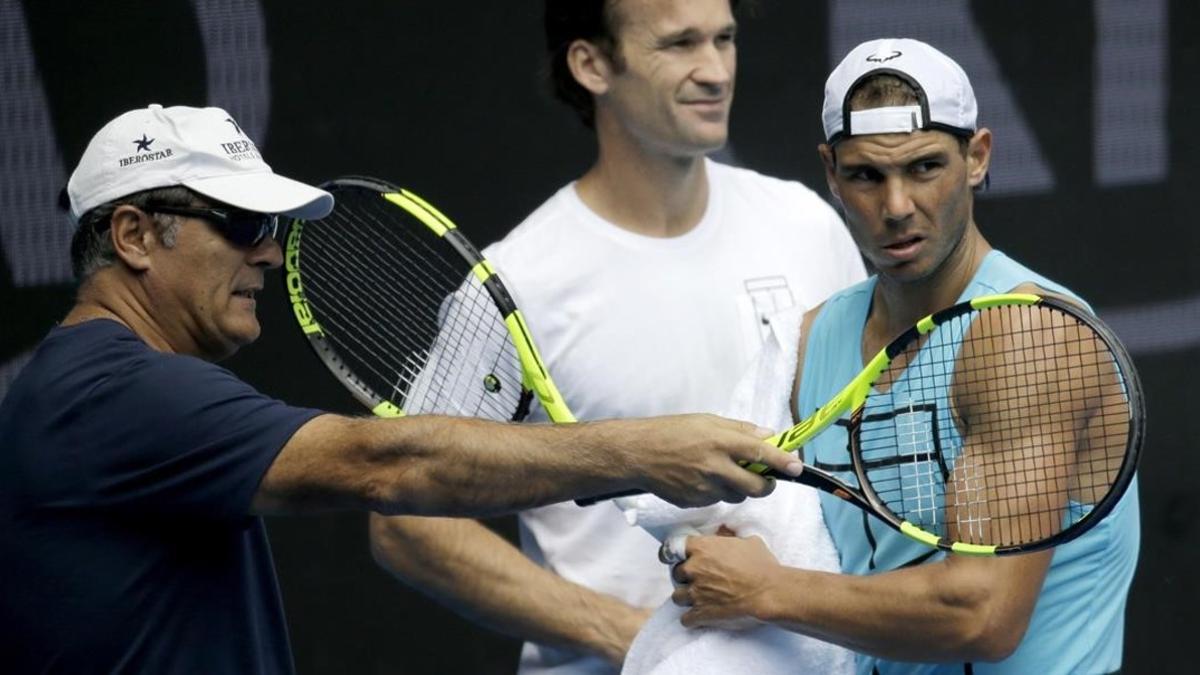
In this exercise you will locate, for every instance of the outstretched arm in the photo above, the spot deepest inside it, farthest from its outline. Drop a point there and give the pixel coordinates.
(434, 465)
(475, 572)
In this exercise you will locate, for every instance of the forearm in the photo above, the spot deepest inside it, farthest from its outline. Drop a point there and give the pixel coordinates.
(454, 466)
(434, 465)
(478, 574)
(437, 465)
(953, 610)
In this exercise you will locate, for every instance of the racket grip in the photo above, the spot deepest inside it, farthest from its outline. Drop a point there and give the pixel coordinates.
(589, 501)
(762, 469)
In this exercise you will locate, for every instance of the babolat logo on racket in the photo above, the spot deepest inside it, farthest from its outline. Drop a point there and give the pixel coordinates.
(787, 438)
(291, 263)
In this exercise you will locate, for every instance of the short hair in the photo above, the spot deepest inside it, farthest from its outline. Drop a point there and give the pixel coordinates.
(596, 21)
(880, 90)
(92, 246)
(884, 89)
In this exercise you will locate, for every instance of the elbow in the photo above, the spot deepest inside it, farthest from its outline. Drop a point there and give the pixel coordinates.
(383, 542)
(391, 474)
(990, 633)
(995, 642)
(377, 536)
(403, 488)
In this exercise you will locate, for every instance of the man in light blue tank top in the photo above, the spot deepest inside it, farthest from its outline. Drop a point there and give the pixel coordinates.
(903, 157)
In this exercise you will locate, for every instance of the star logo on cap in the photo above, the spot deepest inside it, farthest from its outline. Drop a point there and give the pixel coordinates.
(143, 144)
(885, 56)
(235, 126)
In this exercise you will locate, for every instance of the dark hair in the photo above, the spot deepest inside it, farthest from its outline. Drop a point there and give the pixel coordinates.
(92, 246)
(885, 89)
(596, 21)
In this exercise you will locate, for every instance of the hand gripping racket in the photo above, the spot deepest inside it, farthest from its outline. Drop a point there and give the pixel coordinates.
(406, 313)
(1005, 424)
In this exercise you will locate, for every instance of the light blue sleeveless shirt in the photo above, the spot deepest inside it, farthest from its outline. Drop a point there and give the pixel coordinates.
(1078, 624)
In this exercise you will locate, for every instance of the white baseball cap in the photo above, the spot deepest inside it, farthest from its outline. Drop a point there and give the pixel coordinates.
(946, 100)
(203, 149)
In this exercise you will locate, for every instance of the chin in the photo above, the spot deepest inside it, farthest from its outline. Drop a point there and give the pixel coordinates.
(711, 142)
(241, 335)
(909, 272)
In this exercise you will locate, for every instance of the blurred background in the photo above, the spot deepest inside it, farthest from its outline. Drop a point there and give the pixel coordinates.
(1093, 181)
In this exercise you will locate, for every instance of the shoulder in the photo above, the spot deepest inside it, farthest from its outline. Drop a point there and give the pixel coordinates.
(844, 300)
(1001, 274)
(786, 208)
(756, 188)
(546, 226)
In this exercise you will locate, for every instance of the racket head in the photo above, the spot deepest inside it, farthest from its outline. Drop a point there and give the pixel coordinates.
(406, 313)
(1006, 424)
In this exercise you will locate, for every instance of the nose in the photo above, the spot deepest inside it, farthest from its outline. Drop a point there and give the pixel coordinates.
(716, 67)
(897, 202)
(267, 254)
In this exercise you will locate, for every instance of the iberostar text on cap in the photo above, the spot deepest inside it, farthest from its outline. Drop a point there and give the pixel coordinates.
(203, 149)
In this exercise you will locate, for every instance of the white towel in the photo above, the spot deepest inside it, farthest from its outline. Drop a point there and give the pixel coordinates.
(789, 521)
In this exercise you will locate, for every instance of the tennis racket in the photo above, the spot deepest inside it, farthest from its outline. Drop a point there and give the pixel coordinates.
(1005, 424)
(406, 313)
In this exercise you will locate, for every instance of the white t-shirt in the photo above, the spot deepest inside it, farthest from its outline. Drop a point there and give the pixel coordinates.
(633, 326)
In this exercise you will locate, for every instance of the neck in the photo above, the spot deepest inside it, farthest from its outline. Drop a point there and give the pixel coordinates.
(642, 189)
(102, 297)
(898, 305)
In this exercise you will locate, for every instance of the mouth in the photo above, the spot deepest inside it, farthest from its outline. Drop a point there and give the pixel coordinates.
(247, 293)
(711, 106)
(905, 249)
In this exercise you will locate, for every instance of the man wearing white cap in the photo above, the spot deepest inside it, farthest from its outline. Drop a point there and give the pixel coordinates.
(133, 471)
(903, 156)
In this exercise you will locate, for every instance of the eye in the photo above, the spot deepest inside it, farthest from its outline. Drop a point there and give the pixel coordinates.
(726, 38)
(863, 174)
(926, 167)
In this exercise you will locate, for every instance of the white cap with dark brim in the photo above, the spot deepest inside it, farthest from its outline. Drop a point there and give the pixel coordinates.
(946, 100)
(203, 149)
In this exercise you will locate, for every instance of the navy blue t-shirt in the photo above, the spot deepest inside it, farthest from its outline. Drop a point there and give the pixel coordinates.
(126, 540)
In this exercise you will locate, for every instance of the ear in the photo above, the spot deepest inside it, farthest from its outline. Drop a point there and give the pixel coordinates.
(979, 156)
(134, 236)
(830, 163)
(590, 67)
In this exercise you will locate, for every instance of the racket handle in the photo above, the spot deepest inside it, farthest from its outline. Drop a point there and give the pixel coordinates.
(756, 468)
(589, 501)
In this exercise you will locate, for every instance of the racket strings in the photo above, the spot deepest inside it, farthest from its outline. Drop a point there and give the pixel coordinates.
(338, 293)
(1004, 426)
(447, 341)
(405, 312)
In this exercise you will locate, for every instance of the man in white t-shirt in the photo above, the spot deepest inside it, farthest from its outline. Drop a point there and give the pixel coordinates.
(645, 282)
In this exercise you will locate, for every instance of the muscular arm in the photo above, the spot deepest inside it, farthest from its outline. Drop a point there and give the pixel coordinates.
(467, 567)
(957, 609)
(436, 465)
(960, 608)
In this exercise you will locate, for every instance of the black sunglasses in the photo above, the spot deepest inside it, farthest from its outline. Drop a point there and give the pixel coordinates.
(244, 228)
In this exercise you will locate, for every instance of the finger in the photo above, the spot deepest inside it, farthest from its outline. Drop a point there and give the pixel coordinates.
(739, 481)
(681, 596)
(679, 576)
(785, 462)
(749, 428)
